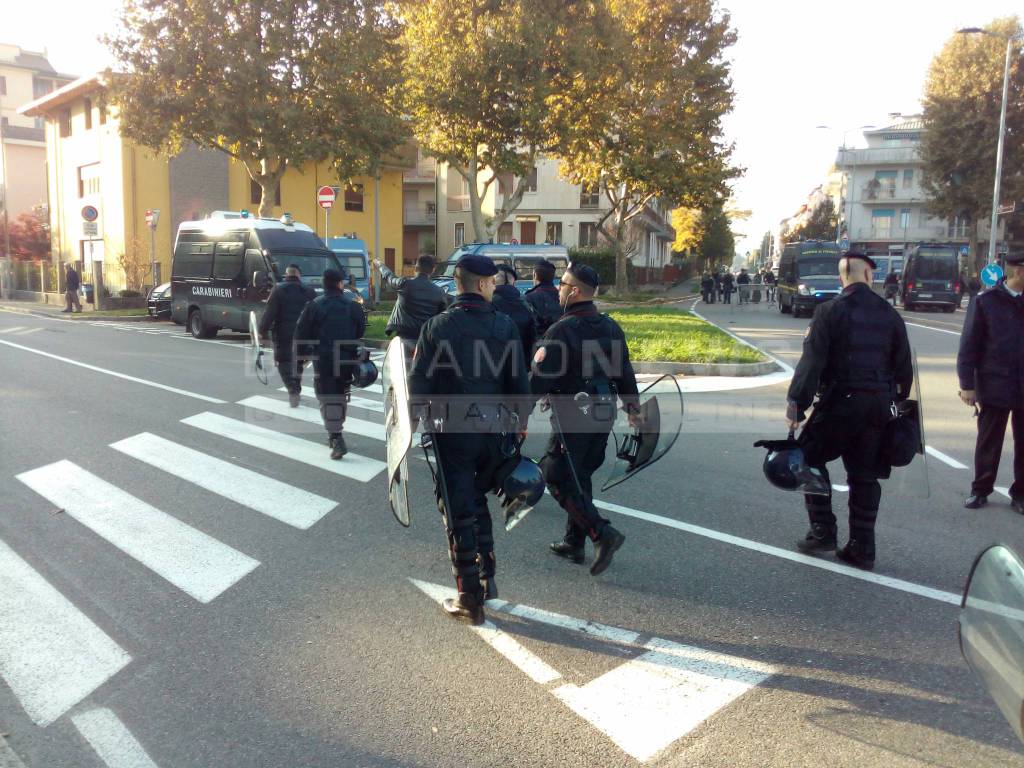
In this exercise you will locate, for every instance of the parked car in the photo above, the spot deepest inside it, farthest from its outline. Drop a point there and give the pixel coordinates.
(352, 254)
(159, 302)
(521, 257)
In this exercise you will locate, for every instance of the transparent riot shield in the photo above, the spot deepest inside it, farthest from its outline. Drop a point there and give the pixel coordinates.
(912, 480)
(259, 363)
(397, 430)
(991, 629)
(650, 434)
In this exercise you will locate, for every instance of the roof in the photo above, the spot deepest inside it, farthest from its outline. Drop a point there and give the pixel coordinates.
(63, 96)
(24, 133)
(35, 62)
(910, 124)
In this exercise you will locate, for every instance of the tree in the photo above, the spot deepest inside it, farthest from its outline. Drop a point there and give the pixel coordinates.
(717, 243)
(821, 225)
(29, 237)
(660, 137)
(689, 227)
(491, 86)
(962, 97)
(134, 262)
(272, 84)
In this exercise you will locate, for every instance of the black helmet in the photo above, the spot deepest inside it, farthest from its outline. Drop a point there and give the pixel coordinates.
(786, 467)
(364, 374)
(520, 484)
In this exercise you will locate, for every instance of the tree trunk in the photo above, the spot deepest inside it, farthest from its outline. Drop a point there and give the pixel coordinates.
(476, 202)
(977, 260)
(621, 255)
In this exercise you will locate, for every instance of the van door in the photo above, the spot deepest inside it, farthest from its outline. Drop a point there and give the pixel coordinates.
(228, 284)
(254, 298)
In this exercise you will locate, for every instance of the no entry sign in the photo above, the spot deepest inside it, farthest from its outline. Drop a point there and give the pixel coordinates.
(325, 197)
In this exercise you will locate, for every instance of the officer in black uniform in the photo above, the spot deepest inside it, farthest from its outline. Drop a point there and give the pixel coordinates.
(328, 332)
(419, 299)
(584, 352)
(543, 297)
(469, 366)
(857, 360)
(507, 299)
(284, 306)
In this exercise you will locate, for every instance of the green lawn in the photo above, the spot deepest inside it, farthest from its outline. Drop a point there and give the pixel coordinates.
(661, 333)
(375, 325)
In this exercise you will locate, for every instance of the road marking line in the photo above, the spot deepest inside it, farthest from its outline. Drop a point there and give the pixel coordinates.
(311, 415)
(115, 374)
(354, 401)
(233, 345)
(357, 467)
(784, 554)
(930, 328)
(1002, 489)
(589, 628)
(196, 563)
(111, 739)
(51, 654)
(292, 506)
(27, 331)
(12, 329)
(944, 458)
(528, 662)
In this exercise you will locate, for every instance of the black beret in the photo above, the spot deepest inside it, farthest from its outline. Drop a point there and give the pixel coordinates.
(544, 263)
(856, 253)
(332, 277)
(583, 273)
(477, 264)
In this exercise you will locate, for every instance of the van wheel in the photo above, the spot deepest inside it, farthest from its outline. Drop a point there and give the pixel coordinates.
(197, 327)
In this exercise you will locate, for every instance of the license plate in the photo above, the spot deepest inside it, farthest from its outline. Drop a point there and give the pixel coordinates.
(924, 295)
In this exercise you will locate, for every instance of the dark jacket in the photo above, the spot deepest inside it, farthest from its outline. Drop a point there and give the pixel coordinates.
(282, 312)
(991, 357)
(74, 282)
(329, 330)
(857, 342)
(508, 300)
(543, 299)
(707, 283)
(419, 299)
(743, 279)
(727, 282)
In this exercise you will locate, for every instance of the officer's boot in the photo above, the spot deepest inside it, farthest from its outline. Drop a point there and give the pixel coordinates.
(569, 546)
(467, 607)
(606, 546)
(822, 535)
(487, 568)
(338, 447)
(860, 549)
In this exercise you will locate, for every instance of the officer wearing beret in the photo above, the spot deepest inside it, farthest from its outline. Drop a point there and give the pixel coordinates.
(857, 360)
(990, 366)
(543, 297)
(583, 352)
(469, 367)
(507, 299)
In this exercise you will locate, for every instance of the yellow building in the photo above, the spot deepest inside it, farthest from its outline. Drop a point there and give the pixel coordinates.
(90, 164)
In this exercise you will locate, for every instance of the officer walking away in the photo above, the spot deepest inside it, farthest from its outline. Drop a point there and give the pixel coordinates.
(891, 286)
(286, 302)
(464, 366)
(543, 297)
(508, 300)
(856, 358)
(769, 280)
(707, 288)
(419, 299)
(585, 351)
(72, 284)
(990, 366)
(727, 287)
(743, 280)
(328, 332)
(719, 287)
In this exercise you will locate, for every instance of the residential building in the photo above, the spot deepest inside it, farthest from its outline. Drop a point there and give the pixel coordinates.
(419, 210)
(552, 210)
(90, 163)
(24, 76)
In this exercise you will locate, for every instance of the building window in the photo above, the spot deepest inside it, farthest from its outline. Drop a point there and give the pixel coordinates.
(41, 87)
(4, 122)
(590, 196)
(354, 197)
(89, 180)
(88, 114)
(102, 109)
(553, 233)
(908, 179)
(65, 123)
(505, 232)
(881, 222)
(256, 193)
(531, 180)
(588, 234)
(904, 218)
(460, 234)
(3, 85)
(959, 226)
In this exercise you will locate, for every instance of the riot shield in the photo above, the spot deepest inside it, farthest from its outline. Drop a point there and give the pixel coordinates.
(991, 629)
(259, 365)
(397, 430)
(429, 443)
(651, 435)
(912, 480)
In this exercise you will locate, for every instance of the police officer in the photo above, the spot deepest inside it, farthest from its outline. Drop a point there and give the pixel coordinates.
(586, 352)
(328, 332)
(507, 299)
(543, 297)
(707, 288)
(469, 366)
(990, 366)
(857, 360)
(284, 306)
(419, 299)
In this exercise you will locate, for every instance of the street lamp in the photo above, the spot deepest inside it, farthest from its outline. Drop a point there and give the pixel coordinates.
(842, 183)
(994, 226)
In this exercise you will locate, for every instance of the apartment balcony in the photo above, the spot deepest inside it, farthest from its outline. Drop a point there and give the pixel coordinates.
(423, 173)
(849, 158)
(422, 215)
(899, 234)
(871, 195)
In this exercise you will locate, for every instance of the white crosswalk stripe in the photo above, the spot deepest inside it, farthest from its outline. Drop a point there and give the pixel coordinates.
(353, 465)
(354, 401)
(198, 564)
(291, 505)
(312, 416)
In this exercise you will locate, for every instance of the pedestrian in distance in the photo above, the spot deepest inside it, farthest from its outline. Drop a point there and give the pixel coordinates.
(469, 368)
(584, 352)
(728, 283)
(719, 285)
(284, 306)
(543, 296)
(990, 367)
(419, 299)
(891, 286)
(72, 284)
(857, 359)
(769, 281)
(743, 282)
(328, 333)
(508, 300)
(707, 288)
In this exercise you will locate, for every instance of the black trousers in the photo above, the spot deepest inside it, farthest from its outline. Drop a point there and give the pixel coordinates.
(991, 431)
(586, 452)
(707, 295)
(468, 461)
(333, 393)
(727, 297)
(289, 368)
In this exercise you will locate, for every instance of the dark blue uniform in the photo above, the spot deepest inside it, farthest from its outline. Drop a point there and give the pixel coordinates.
(508, 300)
(280, 317)
(543, 299)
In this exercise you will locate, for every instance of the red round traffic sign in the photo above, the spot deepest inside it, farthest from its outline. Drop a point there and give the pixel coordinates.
(325, 197)
(90, 213)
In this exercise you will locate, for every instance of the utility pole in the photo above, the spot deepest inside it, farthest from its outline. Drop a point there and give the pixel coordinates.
(5, 265)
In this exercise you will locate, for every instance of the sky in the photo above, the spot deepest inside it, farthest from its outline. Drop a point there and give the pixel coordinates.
(797, 64)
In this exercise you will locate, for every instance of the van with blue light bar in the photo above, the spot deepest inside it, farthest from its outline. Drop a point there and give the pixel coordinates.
(808, 276)
(931, 277)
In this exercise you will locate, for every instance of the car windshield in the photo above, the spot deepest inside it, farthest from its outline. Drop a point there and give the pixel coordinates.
(936, 265)
(353, 263)
(525, 264)
(310, 262)
(818, 266)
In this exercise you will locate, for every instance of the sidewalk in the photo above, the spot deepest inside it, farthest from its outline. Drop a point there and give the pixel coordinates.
(40, 309)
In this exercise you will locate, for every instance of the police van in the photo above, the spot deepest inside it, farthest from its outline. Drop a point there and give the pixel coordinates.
(808, 275)
(225, 266)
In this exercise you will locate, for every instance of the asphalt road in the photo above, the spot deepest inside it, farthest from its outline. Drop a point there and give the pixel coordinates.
(185, 582)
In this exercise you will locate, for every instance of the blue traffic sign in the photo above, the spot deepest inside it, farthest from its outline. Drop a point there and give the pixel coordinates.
(845, 244)
(991, 275)
(90, 213)
(965, 250)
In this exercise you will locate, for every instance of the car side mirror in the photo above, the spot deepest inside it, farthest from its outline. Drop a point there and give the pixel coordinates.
(259, 279)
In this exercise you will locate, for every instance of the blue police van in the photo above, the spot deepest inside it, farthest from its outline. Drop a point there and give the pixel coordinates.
(355, 258)
(522, 258)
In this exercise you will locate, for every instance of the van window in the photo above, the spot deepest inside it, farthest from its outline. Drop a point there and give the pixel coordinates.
(936, 265)
(193, 260)
(227, 260)
(353, 264)
(827, 266)
(254, 262)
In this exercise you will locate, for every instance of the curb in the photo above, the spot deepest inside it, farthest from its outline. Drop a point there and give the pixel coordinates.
(709, 369)
(84, 316)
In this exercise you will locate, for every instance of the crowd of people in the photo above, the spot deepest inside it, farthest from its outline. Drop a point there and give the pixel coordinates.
(719, 285)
